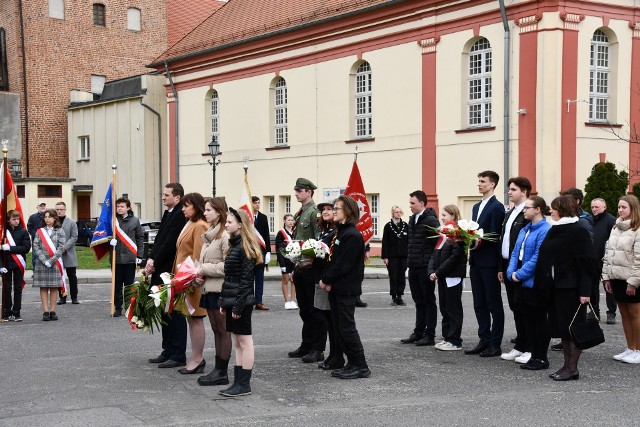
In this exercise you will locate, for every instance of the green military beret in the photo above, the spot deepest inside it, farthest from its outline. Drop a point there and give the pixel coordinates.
(304, 183)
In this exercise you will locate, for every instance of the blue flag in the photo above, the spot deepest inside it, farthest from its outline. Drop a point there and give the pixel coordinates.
(104, 230)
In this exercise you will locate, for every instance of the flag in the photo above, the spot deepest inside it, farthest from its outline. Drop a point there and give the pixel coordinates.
(355, 190)
(104, 230)
(8, 199)
(247, 205)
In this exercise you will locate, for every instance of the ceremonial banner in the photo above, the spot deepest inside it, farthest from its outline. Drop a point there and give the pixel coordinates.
(104, 230)
(355, 190)
(8, 199)
(247, 205)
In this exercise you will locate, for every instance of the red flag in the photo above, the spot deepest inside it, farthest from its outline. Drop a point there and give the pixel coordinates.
(10, 196)
(355, 189)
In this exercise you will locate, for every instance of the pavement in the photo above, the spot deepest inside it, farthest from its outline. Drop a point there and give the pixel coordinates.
(89, 369)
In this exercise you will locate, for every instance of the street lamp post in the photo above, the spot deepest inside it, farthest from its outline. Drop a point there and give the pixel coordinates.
(214, 151)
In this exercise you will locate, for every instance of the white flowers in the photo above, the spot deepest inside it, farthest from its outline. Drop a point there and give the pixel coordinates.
(166, 279)
(467, 225)
(155, 294)
(293, 250)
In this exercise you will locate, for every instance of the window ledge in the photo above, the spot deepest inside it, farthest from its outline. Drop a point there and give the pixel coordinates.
(279, 147)
(479, 129)
(83, 160)
(209, 154)
(603, 125)
(355, 141)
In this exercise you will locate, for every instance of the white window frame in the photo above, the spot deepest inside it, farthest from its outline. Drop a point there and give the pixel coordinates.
(374, 206)
(215, 115)
(134, 19)
(287, 205)
(479, 84)
(363, 101)
(281, 130)
(271, 213)
(599, 77)
(84, 148)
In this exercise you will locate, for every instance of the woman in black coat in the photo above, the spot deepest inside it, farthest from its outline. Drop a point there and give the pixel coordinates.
(395, 239)
(567, 269)
(343, 280)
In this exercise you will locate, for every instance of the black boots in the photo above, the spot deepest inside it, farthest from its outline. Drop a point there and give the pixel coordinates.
(218, 376)
(241, 383)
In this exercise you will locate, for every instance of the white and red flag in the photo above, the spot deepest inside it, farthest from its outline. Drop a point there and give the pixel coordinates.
(355, 190)
(247, 205)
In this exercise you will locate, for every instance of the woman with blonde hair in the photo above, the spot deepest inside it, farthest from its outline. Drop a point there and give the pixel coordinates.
(621, 273)
(237, 297)
(395, 239)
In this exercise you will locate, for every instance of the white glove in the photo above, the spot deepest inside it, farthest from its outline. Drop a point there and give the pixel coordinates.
(48, 264)
(283, 269)
(6, 247)
(3, 270)
(113, 242)
(138, 261)
(267, 257)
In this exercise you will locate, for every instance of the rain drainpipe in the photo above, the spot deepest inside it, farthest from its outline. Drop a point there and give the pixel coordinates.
(175, 116)
(160, 183)
(507, 61)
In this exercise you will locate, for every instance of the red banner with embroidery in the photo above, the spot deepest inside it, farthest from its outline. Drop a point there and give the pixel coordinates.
(50, 248)
(126, 240)
(355, 189)
(17, 258)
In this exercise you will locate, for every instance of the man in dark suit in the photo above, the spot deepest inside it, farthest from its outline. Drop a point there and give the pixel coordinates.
(514, 221)
(161, 259)
(419, 249)
(261, 222)
(485, 264)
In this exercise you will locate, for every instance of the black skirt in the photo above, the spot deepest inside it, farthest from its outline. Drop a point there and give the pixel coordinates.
(563, 306)
(241, 326)
(619, 288)
(210, 300)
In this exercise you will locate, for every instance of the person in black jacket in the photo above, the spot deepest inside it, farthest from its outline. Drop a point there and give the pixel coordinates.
(237, 297)
(448, 267)
(343, 280)
(603, 222)
(419, 249)
(261, 222)
(13, 264)
(163, 254)
(395, 239)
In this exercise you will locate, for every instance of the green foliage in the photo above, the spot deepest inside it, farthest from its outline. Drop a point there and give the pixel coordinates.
(636, 189)
(606, 183)
(86, 260)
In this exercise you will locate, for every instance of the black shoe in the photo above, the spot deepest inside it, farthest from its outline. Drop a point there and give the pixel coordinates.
(412, 338)
(218, 376)
(242, 386)
(117, 312)
(171, 364)
(45, 316)
(513, 340)
(611, 318)
(313, 356)
(159, 359)
(477, 349)
(53, 315)
(336, 373)
(17, 317)
(62, 300)
(236, 378)
(360, 303)
(557, 347)
(197, 370)
(75, 301)
(330, 365)
(355, 372)
(400, 301)
(535, 364)
(425, 341)
(565, 376)
(393, 300)
(298, 352)
(491, 351)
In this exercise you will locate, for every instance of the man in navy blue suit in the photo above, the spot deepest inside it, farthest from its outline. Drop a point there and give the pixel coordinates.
(485, 263)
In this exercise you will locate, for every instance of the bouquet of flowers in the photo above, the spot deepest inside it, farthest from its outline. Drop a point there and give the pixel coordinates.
(303, 253)
(142, 312)
(176, 286)
(465, 231)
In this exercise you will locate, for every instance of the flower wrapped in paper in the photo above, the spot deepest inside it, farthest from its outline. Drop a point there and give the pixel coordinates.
(465, 231)
(176, 286)
(304, 252)
(142, 311)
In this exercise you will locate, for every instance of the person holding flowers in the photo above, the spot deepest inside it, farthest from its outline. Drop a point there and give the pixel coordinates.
(210, 276)
(283, 238)
(237, 298)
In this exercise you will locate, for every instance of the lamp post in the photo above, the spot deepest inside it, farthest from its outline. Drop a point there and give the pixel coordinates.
(214, 150)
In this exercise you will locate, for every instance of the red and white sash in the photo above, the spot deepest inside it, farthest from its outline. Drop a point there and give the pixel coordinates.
(17, 258)
(48, 245)
(126, 240)
(287, 238)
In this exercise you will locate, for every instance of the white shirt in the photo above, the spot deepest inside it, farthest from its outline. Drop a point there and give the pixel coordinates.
(483, 203)
(507, 230)
(415, 221)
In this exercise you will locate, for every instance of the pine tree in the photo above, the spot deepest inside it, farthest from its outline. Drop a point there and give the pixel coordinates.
(606, 183)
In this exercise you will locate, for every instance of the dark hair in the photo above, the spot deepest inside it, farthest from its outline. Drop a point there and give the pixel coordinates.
(565, 205)
(420, 195)
(284, 218)
(197, 201)
(125, 201)
(350, 209)
(53, 214)
(539, 202)
(255, 198)
(576, 193)
(322, 224)
(13, 214)
(492, 175)
(219, 205)
(176, 189)
(522, 183)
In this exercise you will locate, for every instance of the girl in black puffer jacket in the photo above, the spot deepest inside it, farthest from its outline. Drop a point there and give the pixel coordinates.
(237, 299)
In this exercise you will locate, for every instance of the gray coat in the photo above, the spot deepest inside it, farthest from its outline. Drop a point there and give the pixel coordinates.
(43, 276)
(70, 228)
(131, 227)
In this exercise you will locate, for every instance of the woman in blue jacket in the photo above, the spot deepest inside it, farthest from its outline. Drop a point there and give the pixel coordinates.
(521, 271)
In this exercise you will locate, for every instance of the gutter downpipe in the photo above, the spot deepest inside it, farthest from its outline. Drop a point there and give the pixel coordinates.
(24, 88)
(507, 63)
(176, 115)
(160, 183)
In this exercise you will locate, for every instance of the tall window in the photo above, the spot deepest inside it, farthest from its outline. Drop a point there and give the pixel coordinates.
(281, 129)
(133, 19)
(4, 67)
(271, 213)
(364, 118)
(84, 149)
(56, 9)
(286, 201)
(99, 14)
(215, 115)
(599, 81)
(479, 84)
(374, 205)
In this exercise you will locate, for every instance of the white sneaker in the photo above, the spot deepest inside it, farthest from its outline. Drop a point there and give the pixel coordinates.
(632, 358)
(622, 355)
(524, 358)
(294, 305)
(441, 343)
(449, 347)
(511, 355)
(287, 305)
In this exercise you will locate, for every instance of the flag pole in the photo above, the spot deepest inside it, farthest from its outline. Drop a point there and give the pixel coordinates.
(355, 154)
(113, 234)
(5, 152)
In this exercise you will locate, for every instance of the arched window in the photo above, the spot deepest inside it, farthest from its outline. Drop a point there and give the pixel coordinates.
(280, 109)
(479, 84)
(215, 115)
(363, 101)
(99, 15)
(133, 19)
(599, 77)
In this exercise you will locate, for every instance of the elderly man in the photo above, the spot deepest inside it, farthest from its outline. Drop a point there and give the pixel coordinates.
(69, 258)
(603, 222)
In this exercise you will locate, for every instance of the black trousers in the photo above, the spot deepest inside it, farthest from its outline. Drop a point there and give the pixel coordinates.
(487, 303)
(73, 282)
(516, 309)
(537, 330)
(397, 268)
(342, 313)
(14, 282)
(314, 327)
(450, 300)
(174, 332)
(335, 349)
(609, 298)
(125, 275)
(423, 295)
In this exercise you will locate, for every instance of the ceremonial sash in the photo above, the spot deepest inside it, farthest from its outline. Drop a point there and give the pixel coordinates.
(50, 248)
(126, 240)
(17, 258)
(287, 238)
(441, 240)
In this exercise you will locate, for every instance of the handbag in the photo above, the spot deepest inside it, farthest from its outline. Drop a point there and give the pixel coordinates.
(586, 334)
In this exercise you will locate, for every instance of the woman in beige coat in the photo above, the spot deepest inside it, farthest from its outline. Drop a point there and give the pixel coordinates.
(621, 273)
(211, 275)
